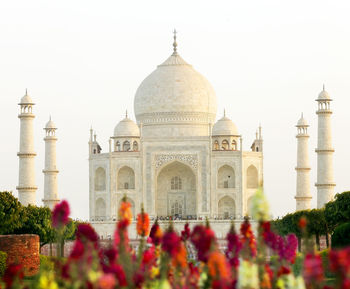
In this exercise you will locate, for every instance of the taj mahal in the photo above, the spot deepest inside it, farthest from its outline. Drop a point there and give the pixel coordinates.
(180, 159)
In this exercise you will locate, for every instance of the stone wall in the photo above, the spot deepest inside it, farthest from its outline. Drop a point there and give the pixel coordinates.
(22, 249)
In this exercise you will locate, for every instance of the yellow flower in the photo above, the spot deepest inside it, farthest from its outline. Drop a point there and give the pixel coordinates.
(154, 272)
(47, 281)
(248, 275)
(93, 276)
(259, 207)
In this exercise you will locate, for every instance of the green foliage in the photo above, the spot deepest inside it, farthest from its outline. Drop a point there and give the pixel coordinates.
(325, 263)
(47, 262)
(341, 236)
(37, 220)
(338, 211)
(298, 264)
(10, 213)
(3, 257)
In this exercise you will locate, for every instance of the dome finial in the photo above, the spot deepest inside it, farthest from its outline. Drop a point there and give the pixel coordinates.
(175, 43)
(224, 112)
(323, 88)
(126, 113)
(26, 91)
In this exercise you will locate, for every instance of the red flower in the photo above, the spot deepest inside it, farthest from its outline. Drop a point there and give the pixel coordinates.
(234, 246)
(302, 223)
(313, 270)
(283, 271)
(203, 238)
(86, 232)
(77, 251)
(171, 242)
(185, 234)
(248, 239)
(60, 214)
(13, 272)
(156, 234)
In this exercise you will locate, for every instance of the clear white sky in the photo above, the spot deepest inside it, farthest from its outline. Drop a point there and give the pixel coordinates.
(82, 62)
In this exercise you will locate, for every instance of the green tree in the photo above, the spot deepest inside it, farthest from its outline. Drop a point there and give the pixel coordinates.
(11, 213)
(317, 225)
(338, 211)
(37, 220)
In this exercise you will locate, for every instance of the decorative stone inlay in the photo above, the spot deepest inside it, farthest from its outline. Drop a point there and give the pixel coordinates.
(190, 159)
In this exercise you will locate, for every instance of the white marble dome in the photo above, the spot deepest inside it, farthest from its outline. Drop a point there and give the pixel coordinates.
(50, 124)
(126, 128)
(175, 92)
(302, 121)
(324, 95)
(26, 99)
(224, 126)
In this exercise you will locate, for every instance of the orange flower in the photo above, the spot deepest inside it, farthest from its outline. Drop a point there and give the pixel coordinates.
(142, 225)
(302, 223)
(218, 267)
(125, 213)
(180, 259)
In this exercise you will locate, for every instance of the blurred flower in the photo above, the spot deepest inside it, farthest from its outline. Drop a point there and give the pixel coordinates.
(247, 238)
(313, 270)
(77, 251)
(171, 242)
(302, 223)
(185, 234)
(107, 281)
(218, 267)
(60, 215)
(203, 238)
(234, 246)
(156, 234)
(180, 259)
(12, 274)
(47, 281)
(93, 276)
(259, 206)
(142, 225)
(86, 232)
(125, 213)
(248, 275)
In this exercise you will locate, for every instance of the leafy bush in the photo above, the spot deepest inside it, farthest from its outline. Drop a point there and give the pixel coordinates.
(47, 262)
(3, 257)
(298, 264)
(341, 236)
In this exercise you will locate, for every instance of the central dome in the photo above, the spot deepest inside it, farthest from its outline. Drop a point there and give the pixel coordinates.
(175, 93)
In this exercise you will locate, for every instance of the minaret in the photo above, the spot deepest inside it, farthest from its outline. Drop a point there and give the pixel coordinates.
(303, 196)
(50, 171)
(325, 181)
(26, 176)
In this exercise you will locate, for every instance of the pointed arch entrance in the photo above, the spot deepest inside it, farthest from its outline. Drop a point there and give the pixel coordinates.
(176, 192)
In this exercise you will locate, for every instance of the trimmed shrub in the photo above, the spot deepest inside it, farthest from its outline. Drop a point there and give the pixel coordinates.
(341, 236)
(47, 262)
(3, 257)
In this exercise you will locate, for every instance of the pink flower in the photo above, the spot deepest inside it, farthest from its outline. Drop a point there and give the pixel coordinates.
(234, 246)
(107, 281)
(78, 250)
(60, 214)
(171, 243)
(313, 270)
(86, 233)
(203, 238)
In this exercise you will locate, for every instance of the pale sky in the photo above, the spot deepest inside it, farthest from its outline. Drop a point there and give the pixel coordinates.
(82, 62)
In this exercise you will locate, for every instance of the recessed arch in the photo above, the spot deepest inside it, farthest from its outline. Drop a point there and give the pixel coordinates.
(226, 208)
(135, 146)
(226, 177)
(100, 208)
(172, 199)
(126, 146)
(100, 179)
(225, 145)
(252, 177)
(216, 145)
(126, 178)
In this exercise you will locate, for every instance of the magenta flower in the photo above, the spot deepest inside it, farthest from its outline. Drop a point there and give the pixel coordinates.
(86, 233)
(60, 215)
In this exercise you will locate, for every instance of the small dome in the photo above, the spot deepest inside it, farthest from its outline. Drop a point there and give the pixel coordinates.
(323, 95)
(302, 121)
(26, 99)
(126, 128)
(50, 124)
(224, 126)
